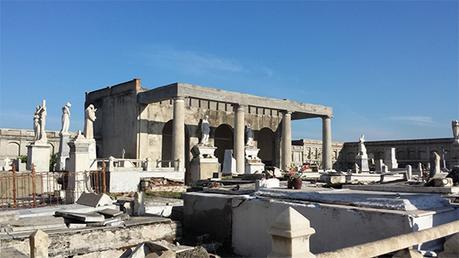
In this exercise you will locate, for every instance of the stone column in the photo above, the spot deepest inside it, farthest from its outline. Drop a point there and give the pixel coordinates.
(286, 139)
(239, 138)
(178, 133)
(326, 143)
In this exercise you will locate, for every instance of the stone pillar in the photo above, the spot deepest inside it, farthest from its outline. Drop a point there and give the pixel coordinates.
(239, 138)
(38, 241)
(326, 143)
(178, 133)
(286, 140)
(290, 235)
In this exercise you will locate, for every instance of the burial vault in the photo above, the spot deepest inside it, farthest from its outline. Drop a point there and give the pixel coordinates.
(163, 123)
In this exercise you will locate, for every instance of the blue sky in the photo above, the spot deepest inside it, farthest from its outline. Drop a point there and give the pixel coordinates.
(388, 68)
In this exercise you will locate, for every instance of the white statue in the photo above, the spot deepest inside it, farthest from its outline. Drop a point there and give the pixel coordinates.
(36, 124)
(249, 135)
(66, 118)
(455, 126)
(90, 117)
(435, 170)
(39, 123)
(362, 148)
(205, 130)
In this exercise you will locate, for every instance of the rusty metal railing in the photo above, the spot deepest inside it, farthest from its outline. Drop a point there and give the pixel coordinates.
(32, 189)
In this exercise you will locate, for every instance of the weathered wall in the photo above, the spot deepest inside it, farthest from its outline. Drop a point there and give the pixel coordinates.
(13, 142)
(155, 116)
(116, 124)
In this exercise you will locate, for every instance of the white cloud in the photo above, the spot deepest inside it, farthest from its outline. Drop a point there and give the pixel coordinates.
(415, 120)
(191, 62)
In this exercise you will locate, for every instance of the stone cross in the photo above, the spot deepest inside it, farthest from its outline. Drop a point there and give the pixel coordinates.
(38, 244)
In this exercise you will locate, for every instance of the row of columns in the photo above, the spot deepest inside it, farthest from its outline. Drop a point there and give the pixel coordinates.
(178, 137)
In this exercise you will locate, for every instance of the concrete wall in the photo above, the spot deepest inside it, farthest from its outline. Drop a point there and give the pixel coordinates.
(336, 226)
(13, 142)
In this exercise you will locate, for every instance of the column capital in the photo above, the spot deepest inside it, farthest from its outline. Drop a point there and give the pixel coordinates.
(239, 107)
(286, 112)
(327, 116)
(178, 98)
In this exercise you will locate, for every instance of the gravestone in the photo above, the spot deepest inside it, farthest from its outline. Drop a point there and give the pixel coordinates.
(390, 158)
(204, 164)
(229, 163)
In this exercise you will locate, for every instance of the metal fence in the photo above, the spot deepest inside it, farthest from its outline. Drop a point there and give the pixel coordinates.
(34, 189)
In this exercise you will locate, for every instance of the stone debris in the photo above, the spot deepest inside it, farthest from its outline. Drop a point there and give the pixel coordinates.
(164, 249)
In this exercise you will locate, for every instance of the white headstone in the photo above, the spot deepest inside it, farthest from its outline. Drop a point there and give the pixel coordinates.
(390, 158)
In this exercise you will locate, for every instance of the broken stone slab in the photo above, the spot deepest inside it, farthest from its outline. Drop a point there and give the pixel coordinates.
(110, 212)
(82, 217)
(76, 225)
(94, 200)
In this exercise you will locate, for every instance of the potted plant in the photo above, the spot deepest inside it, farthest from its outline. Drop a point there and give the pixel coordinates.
(294, 178)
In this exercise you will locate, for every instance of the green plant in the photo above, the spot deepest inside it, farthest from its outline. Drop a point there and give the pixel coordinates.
(23, 158)
(53, 161)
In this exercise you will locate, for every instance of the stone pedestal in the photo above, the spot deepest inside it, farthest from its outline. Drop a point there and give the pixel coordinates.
(252, 162)
(92, 156)
(79, 155)
(204, 164)
(38, 154)
(362, 163)
(229, 163)
(64, 151)
(78, 167)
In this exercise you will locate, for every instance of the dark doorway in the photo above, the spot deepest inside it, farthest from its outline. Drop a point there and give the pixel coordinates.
(265, 143)
(166, 144)
(223, 140)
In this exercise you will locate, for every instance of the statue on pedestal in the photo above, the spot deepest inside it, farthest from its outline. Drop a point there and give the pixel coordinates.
(362, 156)
(362, 148)
(90, 117)
(249, 135)
(205, 130)
(65, 118)
(39, 123)
(455, 127)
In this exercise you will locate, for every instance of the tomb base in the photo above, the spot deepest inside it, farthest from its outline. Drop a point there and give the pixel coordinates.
(204, 168)
(253, 164)
(38, 154)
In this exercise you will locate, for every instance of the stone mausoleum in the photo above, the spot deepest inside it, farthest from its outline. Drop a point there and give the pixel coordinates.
(163, 123)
